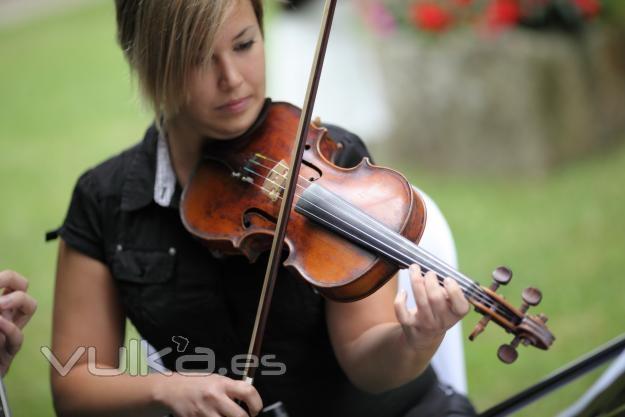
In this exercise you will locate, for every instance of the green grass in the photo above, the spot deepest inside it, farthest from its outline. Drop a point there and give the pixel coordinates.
(67, 103)
(563, 234)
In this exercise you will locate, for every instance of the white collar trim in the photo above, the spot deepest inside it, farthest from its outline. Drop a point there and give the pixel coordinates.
(165, 180)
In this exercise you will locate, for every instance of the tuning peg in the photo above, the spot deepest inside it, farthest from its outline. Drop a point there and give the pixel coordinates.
(531, 297)
(479, 327)
(508, 353)
(501, 276)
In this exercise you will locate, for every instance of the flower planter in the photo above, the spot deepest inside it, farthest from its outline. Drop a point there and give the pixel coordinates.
(522, 102)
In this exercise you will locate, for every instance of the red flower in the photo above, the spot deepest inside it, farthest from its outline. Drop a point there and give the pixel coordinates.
(502, 13)
(430, 16)
(589, 8)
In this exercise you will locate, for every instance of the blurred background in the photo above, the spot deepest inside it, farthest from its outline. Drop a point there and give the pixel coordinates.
(509, 113)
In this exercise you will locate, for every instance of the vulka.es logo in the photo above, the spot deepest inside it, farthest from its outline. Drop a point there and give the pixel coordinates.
(138, 349)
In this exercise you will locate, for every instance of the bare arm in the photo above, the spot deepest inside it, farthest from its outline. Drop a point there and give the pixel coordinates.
(380, 344)
(87, 313)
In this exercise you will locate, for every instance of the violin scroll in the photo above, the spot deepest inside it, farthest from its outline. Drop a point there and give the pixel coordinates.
(527, 329)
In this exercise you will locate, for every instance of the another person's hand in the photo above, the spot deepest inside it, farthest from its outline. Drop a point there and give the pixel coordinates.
(207, 395)
(16, 309)
(438, 308)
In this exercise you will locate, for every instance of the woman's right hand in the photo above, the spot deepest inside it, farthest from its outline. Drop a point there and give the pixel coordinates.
(207, 395)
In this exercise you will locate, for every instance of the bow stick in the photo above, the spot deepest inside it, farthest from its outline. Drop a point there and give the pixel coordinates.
(285, 209)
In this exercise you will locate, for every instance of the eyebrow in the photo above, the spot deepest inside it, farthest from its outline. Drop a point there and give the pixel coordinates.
(242, 33)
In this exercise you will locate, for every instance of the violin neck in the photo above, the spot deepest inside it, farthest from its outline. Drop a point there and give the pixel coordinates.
(331, 211)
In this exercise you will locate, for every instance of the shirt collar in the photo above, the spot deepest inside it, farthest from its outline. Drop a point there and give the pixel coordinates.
(165, 179)
(149, 176)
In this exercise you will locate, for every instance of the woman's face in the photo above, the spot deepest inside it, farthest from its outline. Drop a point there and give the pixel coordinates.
(226, 94)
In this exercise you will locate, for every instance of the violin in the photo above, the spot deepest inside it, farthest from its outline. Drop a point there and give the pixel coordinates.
(350, 230)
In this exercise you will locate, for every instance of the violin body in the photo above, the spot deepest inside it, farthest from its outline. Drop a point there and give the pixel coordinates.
(232, 201)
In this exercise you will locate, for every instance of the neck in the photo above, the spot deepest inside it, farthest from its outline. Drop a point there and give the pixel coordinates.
(184, 148)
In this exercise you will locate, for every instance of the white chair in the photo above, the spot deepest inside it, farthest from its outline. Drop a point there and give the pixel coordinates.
(438, 240)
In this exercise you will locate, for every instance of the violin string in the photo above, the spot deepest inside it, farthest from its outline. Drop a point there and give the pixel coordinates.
(475, 288)
(476, 293)
(421, 253)
(470, 292)
(483, 297)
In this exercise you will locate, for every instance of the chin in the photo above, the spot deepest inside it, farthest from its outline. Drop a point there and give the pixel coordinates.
(231, 131)
(237, 126)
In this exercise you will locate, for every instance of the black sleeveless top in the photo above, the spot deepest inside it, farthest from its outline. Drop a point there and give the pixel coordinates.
(199, 309)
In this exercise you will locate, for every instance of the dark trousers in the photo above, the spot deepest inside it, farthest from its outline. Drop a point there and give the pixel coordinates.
(423, 397)
(442, 401)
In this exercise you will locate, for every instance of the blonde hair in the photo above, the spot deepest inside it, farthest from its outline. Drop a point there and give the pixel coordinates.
(163, 40)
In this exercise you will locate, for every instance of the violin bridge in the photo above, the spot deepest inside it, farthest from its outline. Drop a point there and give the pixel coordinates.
(276, 181)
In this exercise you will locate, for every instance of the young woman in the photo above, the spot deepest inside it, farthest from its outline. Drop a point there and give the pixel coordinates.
(125, 253)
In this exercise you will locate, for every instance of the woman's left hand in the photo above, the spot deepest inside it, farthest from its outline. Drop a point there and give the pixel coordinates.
(438, 308)
(16, 309)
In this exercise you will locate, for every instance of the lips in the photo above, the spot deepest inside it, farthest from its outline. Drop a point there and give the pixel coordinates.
(235, 106)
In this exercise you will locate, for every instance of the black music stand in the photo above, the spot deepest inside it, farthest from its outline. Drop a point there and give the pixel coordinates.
(606, 393)
(606, 397)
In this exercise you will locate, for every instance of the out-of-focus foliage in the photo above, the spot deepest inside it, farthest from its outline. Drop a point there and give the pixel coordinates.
(488, 16)
(613, 12)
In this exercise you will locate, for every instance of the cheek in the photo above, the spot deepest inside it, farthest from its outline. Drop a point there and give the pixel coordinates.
(256, 70)
(201, 95)
(201, 88)
(200, 101)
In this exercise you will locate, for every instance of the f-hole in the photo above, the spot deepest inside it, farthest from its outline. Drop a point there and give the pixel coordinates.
(255, 217)
(309, 171)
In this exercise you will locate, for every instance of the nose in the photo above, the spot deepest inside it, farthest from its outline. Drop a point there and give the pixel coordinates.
(229, 75)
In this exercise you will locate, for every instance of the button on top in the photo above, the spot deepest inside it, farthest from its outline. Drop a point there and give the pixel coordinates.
(172, 251)
(119, 247)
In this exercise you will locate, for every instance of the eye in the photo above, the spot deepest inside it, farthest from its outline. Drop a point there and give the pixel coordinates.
(244, 46)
